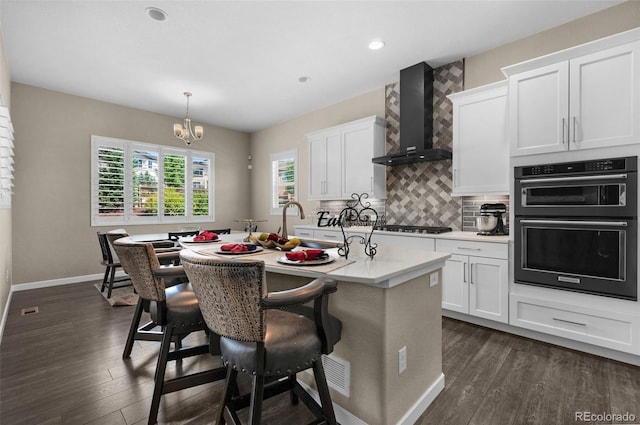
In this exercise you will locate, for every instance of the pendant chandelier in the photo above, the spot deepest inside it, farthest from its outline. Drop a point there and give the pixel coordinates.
(184, 131)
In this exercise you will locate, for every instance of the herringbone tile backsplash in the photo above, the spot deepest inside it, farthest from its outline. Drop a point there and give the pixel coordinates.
(419, 194)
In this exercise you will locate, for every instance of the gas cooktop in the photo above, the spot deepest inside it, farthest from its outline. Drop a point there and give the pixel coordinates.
(412, 229)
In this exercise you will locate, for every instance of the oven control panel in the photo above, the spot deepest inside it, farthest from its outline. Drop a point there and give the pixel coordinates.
(584, 167)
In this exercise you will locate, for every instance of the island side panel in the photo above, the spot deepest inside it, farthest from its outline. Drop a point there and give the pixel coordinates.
(377, 322)
(413, 320)
(362, 312)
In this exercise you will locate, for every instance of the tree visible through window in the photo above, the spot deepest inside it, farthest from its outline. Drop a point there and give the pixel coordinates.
(144, 183)
(284, 179)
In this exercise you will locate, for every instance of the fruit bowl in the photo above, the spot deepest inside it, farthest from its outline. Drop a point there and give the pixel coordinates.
(267, 244)
(287, 246)
(273, 241)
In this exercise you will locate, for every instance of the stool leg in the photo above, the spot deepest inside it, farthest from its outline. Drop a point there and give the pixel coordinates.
(159, 376)
(104, 279)
(135, 323)
(292, 394)
(255, 408)
(230, 386)
(111, 279)
(323, 392)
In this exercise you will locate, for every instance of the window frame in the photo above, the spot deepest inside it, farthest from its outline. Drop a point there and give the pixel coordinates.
(279, 156)
(128, 218)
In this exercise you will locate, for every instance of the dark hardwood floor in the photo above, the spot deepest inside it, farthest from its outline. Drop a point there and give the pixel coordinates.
(63, 365)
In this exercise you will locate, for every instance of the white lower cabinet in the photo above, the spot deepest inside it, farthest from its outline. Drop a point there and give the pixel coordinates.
(411, 242)
(475, 278)
(611, 329)
(303, 233)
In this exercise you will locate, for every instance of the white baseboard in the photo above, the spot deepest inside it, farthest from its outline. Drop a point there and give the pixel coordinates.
(58, 282)
(344, 417)
(5, 314)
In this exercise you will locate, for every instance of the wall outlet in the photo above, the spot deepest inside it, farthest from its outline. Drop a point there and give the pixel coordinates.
(402, 359)
(433, 279)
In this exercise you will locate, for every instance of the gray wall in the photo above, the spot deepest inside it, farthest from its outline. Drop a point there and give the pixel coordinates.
(52, 233)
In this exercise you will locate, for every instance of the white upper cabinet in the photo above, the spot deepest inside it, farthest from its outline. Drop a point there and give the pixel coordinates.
(581, 98)
(539, 110)
(340, 160)
(604, 104)
(324, 168)
(480, 144)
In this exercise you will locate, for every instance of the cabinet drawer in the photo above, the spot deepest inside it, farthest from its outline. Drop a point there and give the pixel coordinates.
(478, 249)
(605, 329)
(304, 233)
(328, 235)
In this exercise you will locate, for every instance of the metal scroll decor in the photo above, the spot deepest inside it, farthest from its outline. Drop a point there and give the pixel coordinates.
(358, 212)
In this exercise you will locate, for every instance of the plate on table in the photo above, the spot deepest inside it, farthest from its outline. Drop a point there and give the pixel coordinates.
(189, 239)
(324, 260)
(258, 249)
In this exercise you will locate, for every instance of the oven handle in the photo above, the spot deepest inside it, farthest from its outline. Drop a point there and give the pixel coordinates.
(573, 223)
(574, 179)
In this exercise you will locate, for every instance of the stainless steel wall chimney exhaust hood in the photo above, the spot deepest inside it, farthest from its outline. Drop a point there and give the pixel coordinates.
(416, 119)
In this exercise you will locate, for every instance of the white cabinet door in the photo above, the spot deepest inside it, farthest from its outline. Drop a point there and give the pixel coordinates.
(324, 165)
(605, 98)
(480, 139)
(361, 142)
(455, 288)
(489, 288)
(538, 110)
(340, 160)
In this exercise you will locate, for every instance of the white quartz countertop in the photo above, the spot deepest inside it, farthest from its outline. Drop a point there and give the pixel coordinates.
(390, 267)
(457, 235)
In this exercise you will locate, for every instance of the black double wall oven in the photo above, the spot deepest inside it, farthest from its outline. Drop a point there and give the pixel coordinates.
(576, 226)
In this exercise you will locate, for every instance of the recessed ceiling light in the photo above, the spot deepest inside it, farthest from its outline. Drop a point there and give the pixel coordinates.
(304, 79)
(376, 45)
(156, 14)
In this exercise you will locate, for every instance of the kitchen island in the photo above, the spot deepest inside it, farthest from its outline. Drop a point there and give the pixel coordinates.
(387, 368)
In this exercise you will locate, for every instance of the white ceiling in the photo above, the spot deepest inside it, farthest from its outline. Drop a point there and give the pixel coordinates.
(242, 59)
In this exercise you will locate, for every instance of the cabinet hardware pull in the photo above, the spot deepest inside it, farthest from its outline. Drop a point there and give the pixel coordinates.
(464, 273)
(577, 223)
(470, 249)
(471, 273)
(569, 321)
(574, 129)
(564, 130)
(574, 179)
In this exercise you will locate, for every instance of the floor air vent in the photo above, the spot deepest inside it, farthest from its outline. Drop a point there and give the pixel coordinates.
(29, 310)
(338, 372)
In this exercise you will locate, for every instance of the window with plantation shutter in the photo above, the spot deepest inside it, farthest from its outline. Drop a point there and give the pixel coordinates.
(200, 185)
(141, 183)
(111, 181)
(6, 157)
(283, 180)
